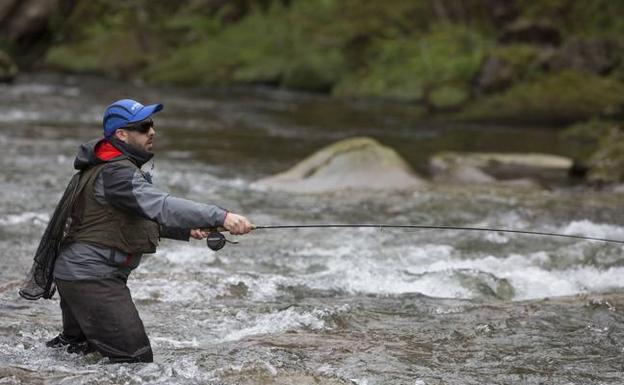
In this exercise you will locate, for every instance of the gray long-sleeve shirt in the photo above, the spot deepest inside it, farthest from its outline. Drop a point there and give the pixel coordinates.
(129, 189)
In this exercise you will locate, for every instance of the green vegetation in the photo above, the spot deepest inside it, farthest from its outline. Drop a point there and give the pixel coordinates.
(446, 56)
(599, 148)
(606, 165)
(584, 138)
(270, 47)
(441, 61)
(562, 97)
(550, 61)
(113, 52)
(100, 37)
(588, 18)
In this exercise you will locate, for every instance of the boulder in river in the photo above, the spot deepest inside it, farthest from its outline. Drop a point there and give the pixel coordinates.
(356, 163)
(518, 168)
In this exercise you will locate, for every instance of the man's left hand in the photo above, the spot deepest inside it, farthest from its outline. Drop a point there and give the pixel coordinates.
(199, 233)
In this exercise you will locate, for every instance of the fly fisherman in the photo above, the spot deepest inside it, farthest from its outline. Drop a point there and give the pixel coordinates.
(108, 217)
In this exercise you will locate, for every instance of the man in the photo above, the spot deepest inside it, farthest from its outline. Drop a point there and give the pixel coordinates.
(116, 216)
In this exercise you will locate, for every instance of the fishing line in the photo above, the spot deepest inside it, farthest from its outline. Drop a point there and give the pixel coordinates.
(216, 240)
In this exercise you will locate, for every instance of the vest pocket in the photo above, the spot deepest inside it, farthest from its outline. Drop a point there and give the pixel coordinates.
(140, 236)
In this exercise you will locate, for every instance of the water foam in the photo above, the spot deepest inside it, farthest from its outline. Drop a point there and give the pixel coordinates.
(172, 289)
(364, 272)
(14, 115)
(433, 269)
(160, 341)
(40, 219)
(40, 89)
(590, 229)
(275, 322)
(358, 265)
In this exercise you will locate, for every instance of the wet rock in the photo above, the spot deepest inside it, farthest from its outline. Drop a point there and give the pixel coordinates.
(540, 32)
(502, 11)
(515, 169)
(26, 19)
(448, 170)
(494, 75)
(6, 7)
(240, 290)
(484, 285)
(505, 65)
(598, 302)
(555, 98)
(356, 163)
(27, 26)
(595, 55)
(484, 329)
(267, 374)
(606, 164)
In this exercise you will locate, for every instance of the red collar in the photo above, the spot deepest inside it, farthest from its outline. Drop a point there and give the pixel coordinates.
(104, 150)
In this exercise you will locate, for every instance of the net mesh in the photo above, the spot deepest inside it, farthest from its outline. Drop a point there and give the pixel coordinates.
(40, 281)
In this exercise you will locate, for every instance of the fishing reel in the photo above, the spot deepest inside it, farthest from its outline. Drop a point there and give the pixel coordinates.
(216, 240)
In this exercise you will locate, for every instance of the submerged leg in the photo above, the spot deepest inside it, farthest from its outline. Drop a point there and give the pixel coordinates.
(71, 327)
(71, 335)
(108, 318)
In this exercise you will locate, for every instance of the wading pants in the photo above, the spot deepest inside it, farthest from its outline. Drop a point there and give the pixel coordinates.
(102, 312)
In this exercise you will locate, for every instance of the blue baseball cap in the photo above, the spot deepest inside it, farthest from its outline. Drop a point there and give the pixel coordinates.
(124, 112)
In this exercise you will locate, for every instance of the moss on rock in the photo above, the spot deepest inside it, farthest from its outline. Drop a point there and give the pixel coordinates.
(113, 47)
(505, 65)
(351, 164)
(606, 165)
(562, 97)
(407, 68)
(265, 47)
(582, 139)
(448, 98)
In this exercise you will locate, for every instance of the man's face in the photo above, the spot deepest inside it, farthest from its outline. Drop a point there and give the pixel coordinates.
(140, 136)
(143, 141)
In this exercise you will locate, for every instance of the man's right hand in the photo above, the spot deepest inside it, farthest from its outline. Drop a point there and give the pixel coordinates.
(237, 224)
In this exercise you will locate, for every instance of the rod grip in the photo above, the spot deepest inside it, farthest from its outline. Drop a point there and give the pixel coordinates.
(221, 229)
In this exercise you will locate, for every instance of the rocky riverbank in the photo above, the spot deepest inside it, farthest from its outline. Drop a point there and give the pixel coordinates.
(549, 62)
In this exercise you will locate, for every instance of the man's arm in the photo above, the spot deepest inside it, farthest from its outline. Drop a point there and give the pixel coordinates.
(126, 188)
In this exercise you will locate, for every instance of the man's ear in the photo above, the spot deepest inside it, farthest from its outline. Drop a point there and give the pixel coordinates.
(121, 135)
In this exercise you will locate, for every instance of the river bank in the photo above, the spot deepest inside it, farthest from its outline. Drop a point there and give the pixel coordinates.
(511, 61)
(550, 63)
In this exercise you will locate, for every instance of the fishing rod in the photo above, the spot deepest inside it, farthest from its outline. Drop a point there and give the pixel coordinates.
(216, 240)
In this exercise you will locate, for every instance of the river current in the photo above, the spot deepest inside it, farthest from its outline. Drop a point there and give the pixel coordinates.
(318, 306)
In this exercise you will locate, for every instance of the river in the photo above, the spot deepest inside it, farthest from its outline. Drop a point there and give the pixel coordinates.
(313, 306)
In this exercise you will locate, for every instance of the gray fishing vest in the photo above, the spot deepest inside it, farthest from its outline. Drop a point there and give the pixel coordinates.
(104, 225)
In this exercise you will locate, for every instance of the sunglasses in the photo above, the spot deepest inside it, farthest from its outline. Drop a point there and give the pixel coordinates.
(142, 127)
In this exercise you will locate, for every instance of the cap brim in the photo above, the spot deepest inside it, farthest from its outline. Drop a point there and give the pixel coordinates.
(146, 112)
